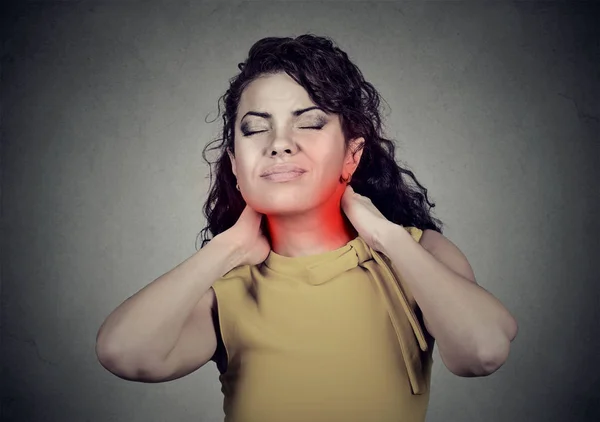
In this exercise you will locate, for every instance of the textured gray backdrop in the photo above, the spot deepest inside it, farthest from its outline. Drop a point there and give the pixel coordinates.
(494, 105)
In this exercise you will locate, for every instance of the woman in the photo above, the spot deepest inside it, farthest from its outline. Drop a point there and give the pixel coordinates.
(318, 300)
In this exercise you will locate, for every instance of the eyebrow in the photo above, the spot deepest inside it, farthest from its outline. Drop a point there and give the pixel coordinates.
(295, 113)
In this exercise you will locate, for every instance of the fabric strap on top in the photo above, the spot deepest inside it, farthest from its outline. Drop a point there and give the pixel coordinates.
(408, 329)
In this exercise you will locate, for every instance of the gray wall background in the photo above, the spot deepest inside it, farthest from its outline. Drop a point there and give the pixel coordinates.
(494, 106)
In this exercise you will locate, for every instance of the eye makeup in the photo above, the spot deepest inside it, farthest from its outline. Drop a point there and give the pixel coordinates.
(319, 122)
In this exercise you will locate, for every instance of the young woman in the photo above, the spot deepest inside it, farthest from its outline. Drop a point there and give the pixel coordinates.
(318, 300)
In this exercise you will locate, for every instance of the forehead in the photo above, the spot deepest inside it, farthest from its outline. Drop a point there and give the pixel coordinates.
(279, 91)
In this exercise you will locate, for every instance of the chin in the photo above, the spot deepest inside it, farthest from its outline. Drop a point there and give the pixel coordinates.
(281, 206)
(291, 201)
(288, 209)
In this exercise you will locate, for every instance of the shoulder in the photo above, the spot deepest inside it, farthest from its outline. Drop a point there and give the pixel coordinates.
(446, 252)
(415, 232)
(236, 275)
(233, 285)
(430, 239)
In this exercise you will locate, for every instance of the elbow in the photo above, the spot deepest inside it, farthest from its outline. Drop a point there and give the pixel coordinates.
(106, 349)
(482, 364)
(476, 368)
(127, 365)
(110, 357)
(114, 359)
(119, 364)
(492, 359)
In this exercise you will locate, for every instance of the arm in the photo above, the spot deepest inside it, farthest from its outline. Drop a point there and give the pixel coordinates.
(472, 328)
(165, 330)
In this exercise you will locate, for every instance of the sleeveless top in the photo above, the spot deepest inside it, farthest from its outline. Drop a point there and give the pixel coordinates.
(330, 337)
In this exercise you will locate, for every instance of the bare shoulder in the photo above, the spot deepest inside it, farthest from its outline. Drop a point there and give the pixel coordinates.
(430, 239)
(447, 252)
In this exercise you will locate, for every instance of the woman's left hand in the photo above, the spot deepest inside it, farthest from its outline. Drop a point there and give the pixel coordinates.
(365, 217)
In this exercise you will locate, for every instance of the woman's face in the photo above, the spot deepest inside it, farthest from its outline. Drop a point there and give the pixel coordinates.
(313, 140)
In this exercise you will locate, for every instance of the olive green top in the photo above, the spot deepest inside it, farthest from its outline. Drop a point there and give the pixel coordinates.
(330, 337)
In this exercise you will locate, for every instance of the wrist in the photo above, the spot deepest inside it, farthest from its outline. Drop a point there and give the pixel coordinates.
(231, 249)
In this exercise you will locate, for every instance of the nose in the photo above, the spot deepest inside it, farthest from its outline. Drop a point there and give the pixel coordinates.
(282, 145)
(275, 152)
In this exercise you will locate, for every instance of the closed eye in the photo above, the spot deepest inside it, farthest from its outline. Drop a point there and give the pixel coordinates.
(261, 131)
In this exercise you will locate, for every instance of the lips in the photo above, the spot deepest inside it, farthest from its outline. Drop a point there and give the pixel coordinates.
(283, 168)
(284, 177)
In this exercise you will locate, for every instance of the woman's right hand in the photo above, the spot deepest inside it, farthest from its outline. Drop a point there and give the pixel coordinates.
(252, 245)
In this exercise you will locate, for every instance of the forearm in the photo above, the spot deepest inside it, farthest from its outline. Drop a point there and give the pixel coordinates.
(470, 325)
(147, 325)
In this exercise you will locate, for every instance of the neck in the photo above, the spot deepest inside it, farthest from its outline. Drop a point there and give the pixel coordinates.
(311, 232)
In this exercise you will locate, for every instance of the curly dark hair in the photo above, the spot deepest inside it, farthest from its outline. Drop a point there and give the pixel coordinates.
(335, 84)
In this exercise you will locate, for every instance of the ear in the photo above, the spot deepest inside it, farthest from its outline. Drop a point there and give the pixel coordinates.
(232, 159)
(354, 154)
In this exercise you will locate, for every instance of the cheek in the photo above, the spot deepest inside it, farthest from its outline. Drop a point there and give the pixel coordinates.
(329, 167)
(246, 164)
